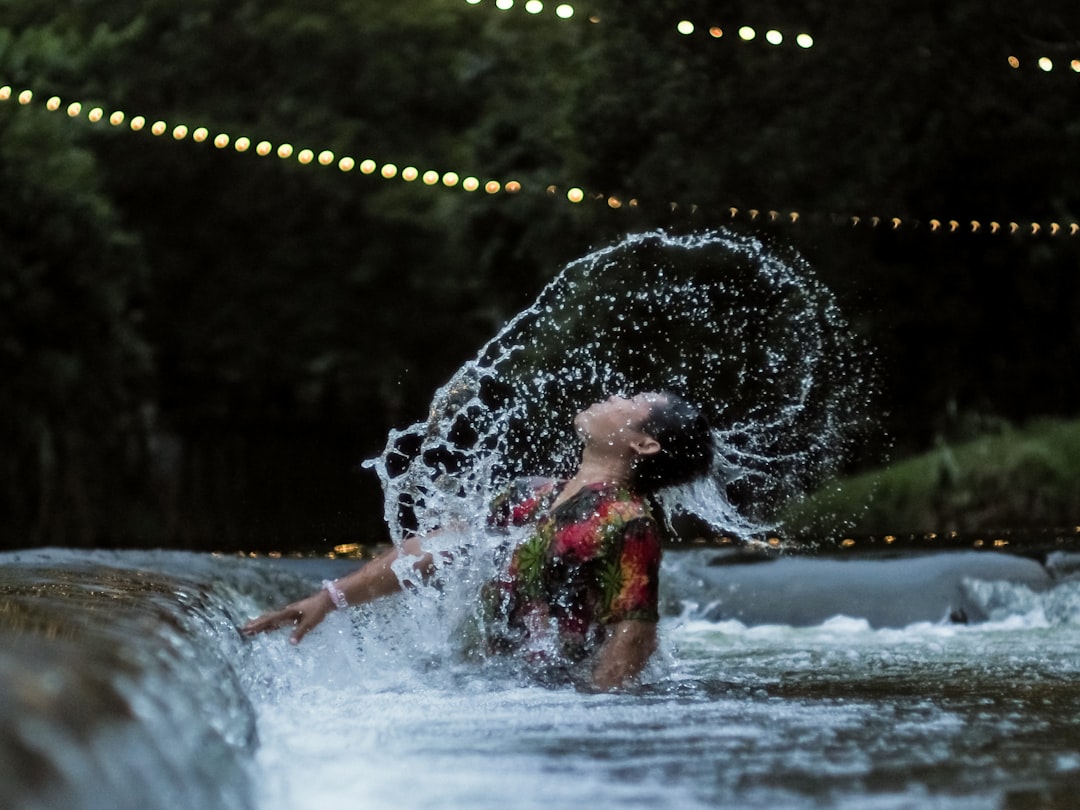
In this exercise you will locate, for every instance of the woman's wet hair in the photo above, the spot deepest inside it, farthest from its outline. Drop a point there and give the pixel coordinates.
(686, 445)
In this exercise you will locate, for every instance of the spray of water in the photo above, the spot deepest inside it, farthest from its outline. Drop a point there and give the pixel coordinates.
(742, 330)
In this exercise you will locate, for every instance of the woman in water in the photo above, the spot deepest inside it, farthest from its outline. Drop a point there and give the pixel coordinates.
(581, 588)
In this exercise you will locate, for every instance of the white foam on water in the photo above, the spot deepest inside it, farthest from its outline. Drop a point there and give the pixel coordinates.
(733, 715)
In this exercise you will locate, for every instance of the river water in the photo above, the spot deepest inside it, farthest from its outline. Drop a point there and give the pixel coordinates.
(124, 683)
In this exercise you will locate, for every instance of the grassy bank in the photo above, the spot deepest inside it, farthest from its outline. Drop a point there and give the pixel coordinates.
(1017, 479)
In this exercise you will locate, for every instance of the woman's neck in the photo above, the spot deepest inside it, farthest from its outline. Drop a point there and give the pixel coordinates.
(596, 470)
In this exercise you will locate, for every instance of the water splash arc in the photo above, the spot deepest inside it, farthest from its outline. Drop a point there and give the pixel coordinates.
(742, 329)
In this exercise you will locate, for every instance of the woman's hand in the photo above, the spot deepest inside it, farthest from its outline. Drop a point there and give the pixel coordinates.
(372, 581)
(304, 615)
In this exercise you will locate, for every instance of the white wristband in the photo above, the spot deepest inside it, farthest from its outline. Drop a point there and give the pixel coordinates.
(336, 596)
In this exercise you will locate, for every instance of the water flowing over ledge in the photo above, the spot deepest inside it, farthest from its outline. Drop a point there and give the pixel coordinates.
(125, 684)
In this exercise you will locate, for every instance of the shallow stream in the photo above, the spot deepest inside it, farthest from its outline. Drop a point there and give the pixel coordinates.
(123, 683)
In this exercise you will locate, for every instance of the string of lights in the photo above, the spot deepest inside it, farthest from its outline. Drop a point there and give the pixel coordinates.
(745, 33)
(263, 148)
(564, 11)
(452, 179)
(1043, 63)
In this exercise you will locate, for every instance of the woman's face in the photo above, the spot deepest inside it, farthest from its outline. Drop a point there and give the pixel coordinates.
(615, 420)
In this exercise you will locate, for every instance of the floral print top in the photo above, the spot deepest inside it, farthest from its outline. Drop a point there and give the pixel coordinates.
(589, 563)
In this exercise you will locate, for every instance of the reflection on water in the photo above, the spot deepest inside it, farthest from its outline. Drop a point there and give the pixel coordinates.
(123, 683)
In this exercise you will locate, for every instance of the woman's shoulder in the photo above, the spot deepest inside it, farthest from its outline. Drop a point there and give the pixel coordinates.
(523, 498)
(607, 502)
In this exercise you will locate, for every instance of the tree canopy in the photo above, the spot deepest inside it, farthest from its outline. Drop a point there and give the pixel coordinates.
(199, 346)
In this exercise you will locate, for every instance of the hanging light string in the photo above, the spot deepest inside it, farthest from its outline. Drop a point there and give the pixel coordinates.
(933, 225)
(262, 148)
(1044, 63)
(746, 33)
(470, 183)
(566, 11)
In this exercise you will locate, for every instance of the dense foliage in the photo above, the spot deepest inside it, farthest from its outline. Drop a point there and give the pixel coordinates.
(198, 347)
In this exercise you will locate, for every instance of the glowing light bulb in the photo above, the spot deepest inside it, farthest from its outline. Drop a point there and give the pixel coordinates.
(804, 41)
(534, 6)
(470, 184)
(774, 37)
(614, 202)
(159, 127)
(96, 114)
(746, 33)
(389, 171)
(326, 157)
(1014, 62)
(221, 140)
(263, 148)
(74, 108)
(716, 32)
(53, 104)
(1046, 63)
(492, 187)
(368, 166)
(513, 187)
(504, 5)
(409, 173)
(116, 119)
(180, 132)
(285, 151)
(450, 179)
(685, 27)
(305, 156)
(430, 177)
(243, 143)
(5, 92)
(472, 2)
(575, 195)
(564, 11)
(346, 164)
(26, 96)
(200, 134)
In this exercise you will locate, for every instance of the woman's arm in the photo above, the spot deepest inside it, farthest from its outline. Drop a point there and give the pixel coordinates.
(372, 581)
(624, 654)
